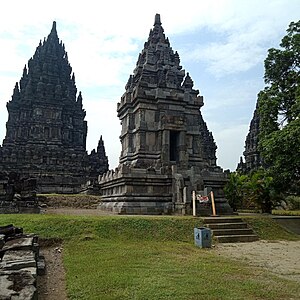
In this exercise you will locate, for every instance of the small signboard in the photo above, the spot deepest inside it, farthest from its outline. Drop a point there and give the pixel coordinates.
(202, 199)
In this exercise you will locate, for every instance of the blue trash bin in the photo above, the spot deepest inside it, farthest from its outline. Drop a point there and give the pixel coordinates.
(202, 237)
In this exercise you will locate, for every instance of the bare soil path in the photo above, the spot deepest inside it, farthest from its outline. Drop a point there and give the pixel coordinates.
(52, 285)
(281, 257)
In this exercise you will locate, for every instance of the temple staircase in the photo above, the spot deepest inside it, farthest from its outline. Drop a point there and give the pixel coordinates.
(230, 229)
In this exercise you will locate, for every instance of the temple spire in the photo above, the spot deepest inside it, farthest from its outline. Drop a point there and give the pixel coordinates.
(16, 93)
(46, 131)
(100, 148)
(79, 100)
(157, 20)
(188, 82)
(53, 33)
(53, 30)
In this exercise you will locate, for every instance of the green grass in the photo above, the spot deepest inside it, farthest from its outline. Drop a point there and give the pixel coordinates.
(282, 212)
(151, 258)
(120, 227)
(115, 269)
(268, 229)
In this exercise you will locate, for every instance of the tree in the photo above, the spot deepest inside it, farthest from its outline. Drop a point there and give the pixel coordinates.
(234, 190)
(261, 192)
(253, 190)
(279, 110)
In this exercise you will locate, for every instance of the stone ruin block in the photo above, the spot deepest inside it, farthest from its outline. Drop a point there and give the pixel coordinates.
(20, 263)
(17, 194)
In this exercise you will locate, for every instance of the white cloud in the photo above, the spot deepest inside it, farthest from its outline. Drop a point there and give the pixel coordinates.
(235, 94)
(247, 30)
(98, 64)
(103, 120)
(230, 147)
(228, 58)
(103, 40)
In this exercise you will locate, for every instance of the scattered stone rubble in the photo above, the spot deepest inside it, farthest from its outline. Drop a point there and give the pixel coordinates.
(20, 263)
(17, 194)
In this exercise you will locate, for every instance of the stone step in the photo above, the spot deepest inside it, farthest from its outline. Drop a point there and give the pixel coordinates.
(237, 238)
(213, 220)
(230, 229)
(233, 231)
(227, 226)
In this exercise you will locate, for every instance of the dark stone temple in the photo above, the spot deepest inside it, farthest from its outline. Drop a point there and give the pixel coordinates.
(98, 162)
(252, 156)
(46, 129)
(167, 150)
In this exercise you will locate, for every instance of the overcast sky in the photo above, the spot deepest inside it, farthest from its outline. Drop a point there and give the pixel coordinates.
(222, 44)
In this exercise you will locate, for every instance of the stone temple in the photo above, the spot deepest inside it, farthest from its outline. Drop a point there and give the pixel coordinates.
(253, 160)
(46, 129)
(167, 150)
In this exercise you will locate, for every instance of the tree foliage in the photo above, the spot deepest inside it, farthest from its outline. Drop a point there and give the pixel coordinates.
(261, 191)
(234, 190)
(256, 189)
(279, 110)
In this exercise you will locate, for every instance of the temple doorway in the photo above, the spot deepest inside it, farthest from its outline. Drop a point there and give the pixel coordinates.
(174, 141)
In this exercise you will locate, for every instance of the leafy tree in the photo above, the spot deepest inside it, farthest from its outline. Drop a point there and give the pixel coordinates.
(234, 190)
(279, 110)
(261, 191)
(256, 189)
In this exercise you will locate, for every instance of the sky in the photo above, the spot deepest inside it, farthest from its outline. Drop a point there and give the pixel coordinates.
(221, 43)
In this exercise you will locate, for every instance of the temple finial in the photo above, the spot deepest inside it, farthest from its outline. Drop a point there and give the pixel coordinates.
(157, 20)
(53, 30)
(79, 99)
(188, 82)
(53, 26)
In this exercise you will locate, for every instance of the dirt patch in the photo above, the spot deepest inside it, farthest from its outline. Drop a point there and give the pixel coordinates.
(52, 285)
(280, 257)
(76, 212)
(70, 201)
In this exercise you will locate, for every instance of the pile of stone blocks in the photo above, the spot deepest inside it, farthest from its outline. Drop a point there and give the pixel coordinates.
(20, 263)
(17, 194)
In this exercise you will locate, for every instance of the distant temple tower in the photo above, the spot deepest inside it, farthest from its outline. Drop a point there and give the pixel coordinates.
(98, 161)
(253, 160)
(167, 150)
(46, 131)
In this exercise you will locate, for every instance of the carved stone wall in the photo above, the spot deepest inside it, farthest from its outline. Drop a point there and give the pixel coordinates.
(46, 128)
(166, 146)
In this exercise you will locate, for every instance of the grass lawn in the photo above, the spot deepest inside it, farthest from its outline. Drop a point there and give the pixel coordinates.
(286, 212)
(152, 258)
(268, 229)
